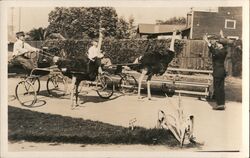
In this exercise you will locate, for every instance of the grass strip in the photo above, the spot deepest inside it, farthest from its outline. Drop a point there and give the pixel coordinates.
(41, 127)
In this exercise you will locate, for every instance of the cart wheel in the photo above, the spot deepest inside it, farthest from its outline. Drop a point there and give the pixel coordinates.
(25, 93)
(35, 83)
(56, 86)
(105, 86)
(128, 84)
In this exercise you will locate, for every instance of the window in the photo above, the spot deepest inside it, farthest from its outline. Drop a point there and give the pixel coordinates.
(230, 24)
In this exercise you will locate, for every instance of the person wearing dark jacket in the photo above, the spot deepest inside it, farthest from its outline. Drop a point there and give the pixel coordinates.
(219, 52)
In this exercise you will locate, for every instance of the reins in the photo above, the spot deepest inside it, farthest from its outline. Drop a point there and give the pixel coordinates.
(46, 54)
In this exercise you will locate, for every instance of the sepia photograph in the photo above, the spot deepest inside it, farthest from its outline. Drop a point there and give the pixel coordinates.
(119, 79)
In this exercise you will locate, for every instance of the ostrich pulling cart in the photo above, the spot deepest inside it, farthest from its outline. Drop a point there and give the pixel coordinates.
(28, 88)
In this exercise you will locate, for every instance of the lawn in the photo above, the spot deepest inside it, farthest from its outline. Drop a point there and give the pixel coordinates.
(41, 127)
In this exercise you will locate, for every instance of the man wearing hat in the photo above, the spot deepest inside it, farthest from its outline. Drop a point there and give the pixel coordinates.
(20, 52)
(218, 49)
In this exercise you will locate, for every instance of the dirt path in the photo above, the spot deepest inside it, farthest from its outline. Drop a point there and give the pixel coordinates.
(219, 130)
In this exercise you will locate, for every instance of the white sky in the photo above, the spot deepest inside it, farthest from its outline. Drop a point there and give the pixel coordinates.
(34, 17)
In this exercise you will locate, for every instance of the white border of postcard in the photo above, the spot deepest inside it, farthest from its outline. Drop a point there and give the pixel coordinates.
(135, 3)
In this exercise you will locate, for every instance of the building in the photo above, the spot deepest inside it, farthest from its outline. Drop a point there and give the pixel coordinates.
(227, 19)
(159, 31)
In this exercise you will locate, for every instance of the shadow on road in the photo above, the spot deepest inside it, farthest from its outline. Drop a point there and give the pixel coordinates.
(96, 99)
(39, 103)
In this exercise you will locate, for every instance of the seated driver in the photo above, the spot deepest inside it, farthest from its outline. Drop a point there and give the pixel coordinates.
(106, 61)
(21, 52)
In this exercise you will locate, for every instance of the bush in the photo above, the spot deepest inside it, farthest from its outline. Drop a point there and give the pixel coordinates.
(119, 51)
(126, 50)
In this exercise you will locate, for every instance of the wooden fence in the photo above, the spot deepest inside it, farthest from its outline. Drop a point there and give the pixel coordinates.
(195, 55)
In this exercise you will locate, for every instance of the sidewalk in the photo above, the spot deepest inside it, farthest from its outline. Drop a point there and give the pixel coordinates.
(219, 130)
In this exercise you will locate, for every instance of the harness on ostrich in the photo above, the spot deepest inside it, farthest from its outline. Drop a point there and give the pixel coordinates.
(78, 70)
(81, 67)
(180, 125)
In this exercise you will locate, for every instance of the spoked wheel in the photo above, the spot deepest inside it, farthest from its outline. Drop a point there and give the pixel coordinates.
(56, 86)
(128, 84)
(105, 86)
(26, 93)
(35, 83)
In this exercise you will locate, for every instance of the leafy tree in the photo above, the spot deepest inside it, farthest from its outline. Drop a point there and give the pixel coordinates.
(36, 34)
(77, 22)
(173, 21)
(126, 29)
(132, 27)
(122, 28)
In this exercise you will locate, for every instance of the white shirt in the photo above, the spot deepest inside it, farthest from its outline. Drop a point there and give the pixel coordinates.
(94, 52)
(21, 47)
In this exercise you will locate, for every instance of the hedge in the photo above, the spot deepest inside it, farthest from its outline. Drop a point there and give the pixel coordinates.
(119, 51)
(127, 50)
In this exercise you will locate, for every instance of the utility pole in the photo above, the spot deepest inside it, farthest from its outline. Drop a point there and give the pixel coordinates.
(12, 21)
(19, 27)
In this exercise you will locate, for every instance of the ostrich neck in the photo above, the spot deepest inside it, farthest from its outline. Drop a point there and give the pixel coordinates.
(99, 42)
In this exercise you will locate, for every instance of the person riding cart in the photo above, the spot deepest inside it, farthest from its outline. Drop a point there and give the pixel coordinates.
(23, 53)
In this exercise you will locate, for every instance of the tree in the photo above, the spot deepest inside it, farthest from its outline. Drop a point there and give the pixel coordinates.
(132, 27)
(122, 28)
(126, 29)
(76, 22)
(36, 34)
(173, 21)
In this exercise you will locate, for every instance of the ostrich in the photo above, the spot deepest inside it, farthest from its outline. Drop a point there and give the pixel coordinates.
(154, 63)
(79, 69)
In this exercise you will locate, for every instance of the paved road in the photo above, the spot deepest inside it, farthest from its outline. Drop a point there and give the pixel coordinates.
(219, 130)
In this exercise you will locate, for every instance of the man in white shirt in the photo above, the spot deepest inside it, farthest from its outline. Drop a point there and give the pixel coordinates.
(95, 55)
(21, 53)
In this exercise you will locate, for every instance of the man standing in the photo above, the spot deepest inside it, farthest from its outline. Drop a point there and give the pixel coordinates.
(218, 49)
(21, 53)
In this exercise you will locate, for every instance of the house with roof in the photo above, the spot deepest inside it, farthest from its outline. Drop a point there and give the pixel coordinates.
(159, 31)
(198, 23)
(227, 19)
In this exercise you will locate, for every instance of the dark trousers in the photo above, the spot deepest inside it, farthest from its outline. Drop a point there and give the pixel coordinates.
(219, 91)
(27, 64)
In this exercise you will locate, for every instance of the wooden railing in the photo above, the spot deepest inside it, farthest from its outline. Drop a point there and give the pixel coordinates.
(199, 81)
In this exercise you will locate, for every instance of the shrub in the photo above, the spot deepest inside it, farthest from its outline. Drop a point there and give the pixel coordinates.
(119, 51)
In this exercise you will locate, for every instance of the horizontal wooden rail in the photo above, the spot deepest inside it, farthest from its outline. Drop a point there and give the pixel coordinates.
(190, 70)
(195, 84)
(188, 76)
(192, 92)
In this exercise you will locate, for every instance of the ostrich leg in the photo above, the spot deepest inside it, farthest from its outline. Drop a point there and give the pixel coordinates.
(76, 92)
(72, 92)
(148, 86)
(144, 72)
